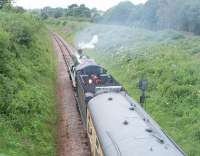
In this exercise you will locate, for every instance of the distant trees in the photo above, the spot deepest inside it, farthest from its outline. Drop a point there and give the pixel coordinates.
(181, 15)
(7, 5)
(190, 17)
(58, 12)
(19, 9)
(78, 11)
(72, 10)
(52, 12)
(5, 2)
(119, 14)
(95, 15)
(2, 2)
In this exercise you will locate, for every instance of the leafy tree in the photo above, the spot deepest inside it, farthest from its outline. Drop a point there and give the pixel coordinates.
(19, 9)
(73, 10)
(181, 15)
(2, 3)
(6, 3)
(73, 6)
(78, 11)
(120, 14)
(84, 11)
(95, 15)
(44, 13)
(58, 12)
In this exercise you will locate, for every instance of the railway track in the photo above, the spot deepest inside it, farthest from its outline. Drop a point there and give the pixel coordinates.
(72, 138)
(66, 52)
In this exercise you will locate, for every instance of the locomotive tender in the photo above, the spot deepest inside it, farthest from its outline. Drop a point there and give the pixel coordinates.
(116, 124)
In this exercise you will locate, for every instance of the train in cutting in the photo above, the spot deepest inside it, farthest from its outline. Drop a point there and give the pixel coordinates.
(116, 124)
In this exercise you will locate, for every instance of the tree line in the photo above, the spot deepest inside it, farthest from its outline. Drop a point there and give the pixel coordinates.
(182, 15)
(5, 3)
(72, 10)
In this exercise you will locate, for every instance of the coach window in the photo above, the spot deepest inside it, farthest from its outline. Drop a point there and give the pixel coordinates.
(90, 131)
(71, 69)
(97, 148)
(97, 143)
(89, 126)
(96, 152)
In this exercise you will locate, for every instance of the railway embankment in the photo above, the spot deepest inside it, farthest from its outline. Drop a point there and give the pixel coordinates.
(27, 87)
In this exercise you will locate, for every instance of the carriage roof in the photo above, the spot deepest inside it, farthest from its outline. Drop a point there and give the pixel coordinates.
(124, 129)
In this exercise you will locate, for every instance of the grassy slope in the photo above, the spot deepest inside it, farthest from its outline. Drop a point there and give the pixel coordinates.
(27, 76)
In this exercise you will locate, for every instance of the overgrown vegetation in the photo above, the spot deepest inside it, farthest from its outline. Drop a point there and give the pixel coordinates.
(27, 76)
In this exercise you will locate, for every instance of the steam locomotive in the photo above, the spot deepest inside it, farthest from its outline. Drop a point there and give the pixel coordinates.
(116, 124)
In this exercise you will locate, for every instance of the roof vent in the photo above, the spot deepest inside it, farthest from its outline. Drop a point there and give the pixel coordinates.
(125, 122)
(149, 130)
(161, 141)
(132, 108)
(110, 99)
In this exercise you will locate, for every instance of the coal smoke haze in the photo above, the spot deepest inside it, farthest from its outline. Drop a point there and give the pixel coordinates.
(115, 38)
(89, 45)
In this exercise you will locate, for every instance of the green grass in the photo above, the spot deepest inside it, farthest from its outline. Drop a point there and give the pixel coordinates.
(27, 88)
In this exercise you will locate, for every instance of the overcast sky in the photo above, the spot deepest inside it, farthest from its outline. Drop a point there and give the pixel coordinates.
(99, 4)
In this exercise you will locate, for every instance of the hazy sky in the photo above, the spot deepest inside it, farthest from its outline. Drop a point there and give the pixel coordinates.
(100, 4)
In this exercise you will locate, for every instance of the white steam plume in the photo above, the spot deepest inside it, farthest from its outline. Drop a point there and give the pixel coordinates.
(89, 45)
